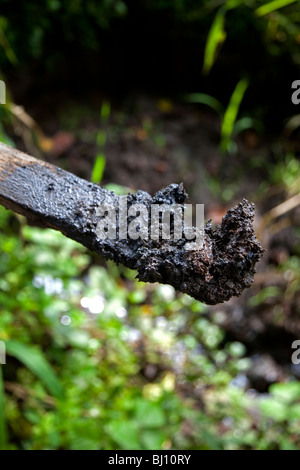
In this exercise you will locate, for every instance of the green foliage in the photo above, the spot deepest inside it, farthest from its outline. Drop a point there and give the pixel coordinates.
(35, 361)
(96, 360)
(5, 119)
(280, 25)
(272, 6)
(100, 161)
(263, 295)
(4, 137)
(143, 431)
(286, 173)
(282, 406)
(5, 44)
(98, 169)
(216, 37)
(217, 34)
(229, 115)
(74, 21)
(99, 361)
(47, 24)
(203, 98)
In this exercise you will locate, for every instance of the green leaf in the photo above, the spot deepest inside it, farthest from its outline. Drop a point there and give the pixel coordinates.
(287, 392)
(215, 39)
(263, 295)
(247, 123)
(118, 189)
(211, 441)
(286, 444)
(4, 137)
(105, 111)
(231, 112)
(208, 100)
(4, 42)
(98, 170)
(149, 415)
(152, 440)
(124, 433)
(137, 296)
(272, 6)
(294, 412)
(34, 359)
(101, 139)
(236, 349)
(272, 408)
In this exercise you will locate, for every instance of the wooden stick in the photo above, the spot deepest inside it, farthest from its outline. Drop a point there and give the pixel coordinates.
(222, 268)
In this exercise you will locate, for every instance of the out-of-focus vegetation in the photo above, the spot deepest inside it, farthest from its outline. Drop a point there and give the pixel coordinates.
(96, 360)
(84, 23)
(194, 46)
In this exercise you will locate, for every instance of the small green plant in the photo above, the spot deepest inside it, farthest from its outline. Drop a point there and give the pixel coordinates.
(4, 42)
(100, 160)
(217, 33)
(286, 173)
(272, 6)
(229, 115)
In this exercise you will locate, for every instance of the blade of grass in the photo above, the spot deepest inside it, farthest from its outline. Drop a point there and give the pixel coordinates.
(217, 34)
(98, 169)
(4, 43)
(247, 123)
(231, 112)
(2, 417)
(215, 39)
(4, 137)
(35, 361)
(272, 6)
(208, 100)
(105, 111)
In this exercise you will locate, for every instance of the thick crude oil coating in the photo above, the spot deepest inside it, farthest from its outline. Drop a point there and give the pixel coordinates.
(60, 200)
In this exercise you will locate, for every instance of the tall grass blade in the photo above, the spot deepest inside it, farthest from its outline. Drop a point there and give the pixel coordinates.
(231, 113)
(272, 6)
(35, 361)
(215, 39)
(98, 169)
(208, 100)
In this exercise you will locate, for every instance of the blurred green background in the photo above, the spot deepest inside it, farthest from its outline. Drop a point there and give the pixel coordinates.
(138, 95)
